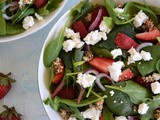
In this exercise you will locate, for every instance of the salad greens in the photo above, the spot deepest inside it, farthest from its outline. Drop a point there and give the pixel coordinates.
(13, 13)
(83, 74)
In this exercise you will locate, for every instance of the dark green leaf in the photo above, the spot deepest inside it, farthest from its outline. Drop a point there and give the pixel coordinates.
(158, 66)
(14, 29)
(53, 4)
(77, 113)
(107, 114)
(2, 25)
(147, 67)
(136, 92)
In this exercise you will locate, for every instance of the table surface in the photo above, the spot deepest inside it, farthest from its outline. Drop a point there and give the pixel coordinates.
(21, 58)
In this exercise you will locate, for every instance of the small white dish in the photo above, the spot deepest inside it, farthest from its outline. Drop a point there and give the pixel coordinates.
(37, 26)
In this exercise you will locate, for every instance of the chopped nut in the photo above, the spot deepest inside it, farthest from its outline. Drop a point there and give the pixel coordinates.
(88, 18)
(157, 113)
(148, 79)
(88, 56)
(119, 5)
(58, 66)
(148, 25)
(134, 108)
(99, 105)
(65, 114)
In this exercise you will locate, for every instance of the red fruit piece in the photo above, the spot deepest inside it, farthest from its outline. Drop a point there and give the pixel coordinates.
(68, 92)
(126, 75)
(78, 26)
(101, 63)
(125, 42)
(97, 17)
(10, 114)
(40, 3)
(5, 84)
(149, 36)
(143, 82)
(59, 71)
(101, 117)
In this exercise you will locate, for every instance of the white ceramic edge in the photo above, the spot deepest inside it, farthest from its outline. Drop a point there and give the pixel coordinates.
(37, 26)
(42, 71)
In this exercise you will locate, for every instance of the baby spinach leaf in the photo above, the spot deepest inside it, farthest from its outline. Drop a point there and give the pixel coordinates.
(147, 67)
(2, 25)
(136, 92)
(53, 4)
(53, 48)
(43, 10)
(107, 114)
(127, 29)
(14, 29)
(158, 66)
(101, 52)
(119, 103)
(153, 104)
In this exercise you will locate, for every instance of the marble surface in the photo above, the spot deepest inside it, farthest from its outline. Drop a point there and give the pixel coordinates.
(21, 58)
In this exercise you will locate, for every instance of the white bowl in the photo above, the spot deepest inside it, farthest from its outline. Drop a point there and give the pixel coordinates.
(43, 72)
(36, 27)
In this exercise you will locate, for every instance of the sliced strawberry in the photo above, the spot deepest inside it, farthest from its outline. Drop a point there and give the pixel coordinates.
(101, 63)
(57, 78)
(97, 17)
(78, 26)
(141, 81)
(40, 3)
(149, 36)
(125, 42)
(68, 92)
(126, 75)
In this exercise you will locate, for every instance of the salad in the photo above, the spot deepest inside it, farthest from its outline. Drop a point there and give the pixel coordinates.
(105, 63)
(16, 16)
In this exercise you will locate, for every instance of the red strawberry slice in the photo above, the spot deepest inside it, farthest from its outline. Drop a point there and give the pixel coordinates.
(78, 26)
(101, 63)
(149, 36)
(126, 75)
(97, 17)
(40, 3)
(68, 92)
(125, 42)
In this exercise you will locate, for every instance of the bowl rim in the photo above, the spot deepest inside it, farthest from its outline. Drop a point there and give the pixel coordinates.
(31, 31)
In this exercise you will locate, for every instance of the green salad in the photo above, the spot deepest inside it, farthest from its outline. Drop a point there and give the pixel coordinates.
(16, 16)
(105, 63)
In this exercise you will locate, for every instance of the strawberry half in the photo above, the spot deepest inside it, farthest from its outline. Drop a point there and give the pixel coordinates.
(126, 75)
(101, 63)
(125, 42)
(40, 3)
(10, 114)
(78, 26)
(5, 84)
(149, 36)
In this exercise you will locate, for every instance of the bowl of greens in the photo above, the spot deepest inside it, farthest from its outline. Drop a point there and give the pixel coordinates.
(101, 61)
(20, 18)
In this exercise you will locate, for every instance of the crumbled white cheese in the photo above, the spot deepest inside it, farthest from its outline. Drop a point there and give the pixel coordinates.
(111, 92)
(116, 52)
(156, 76)
(28, 22)
(39, 17)
(119, 11)
(140, 18)
(72, 118)
(78, 42)
(143, 108)
(155, 87)
(68, 45)
(134, 56)
(104, 28)
(121, 118)
(146, 56)
(85, 80)
(94, 37)
(68, 33)
(92, 113)
(22, 3)
(115, 70)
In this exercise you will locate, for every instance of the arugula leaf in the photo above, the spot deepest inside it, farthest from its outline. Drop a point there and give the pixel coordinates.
(77, 113)
(107, 115)
(153, 104)
(80, 10)
(158, 66)
(136, 92)
(147, 67)
(2, 24)
(109, 43)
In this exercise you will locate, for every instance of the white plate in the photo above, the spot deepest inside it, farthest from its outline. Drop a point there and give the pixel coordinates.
(39, 25)
(43, 73)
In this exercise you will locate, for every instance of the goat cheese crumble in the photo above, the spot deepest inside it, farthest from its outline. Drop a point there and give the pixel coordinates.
(140, 18)
(39, 17)
(116, 52)
(156, 76)
(28, 22)
(72, 118)
(155, 87)
(104, 28)
(85, 80)
(120, 118)
(146, 56)
(143, 108)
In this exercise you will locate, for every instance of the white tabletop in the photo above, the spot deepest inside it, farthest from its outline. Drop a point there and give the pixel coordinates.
(21, 58)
